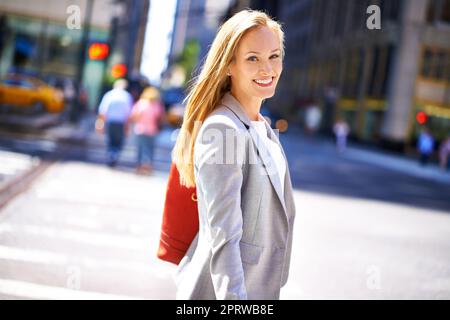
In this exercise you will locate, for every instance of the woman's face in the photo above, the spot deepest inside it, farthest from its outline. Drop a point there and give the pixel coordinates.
(257, 64)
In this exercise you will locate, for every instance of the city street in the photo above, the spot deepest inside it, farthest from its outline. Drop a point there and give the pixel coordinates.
(369, 225)
(362, 88)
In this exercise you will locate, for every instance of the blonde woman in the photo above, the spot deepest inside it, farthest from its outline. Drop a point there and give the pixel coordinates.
(229, 152)
(147, 115)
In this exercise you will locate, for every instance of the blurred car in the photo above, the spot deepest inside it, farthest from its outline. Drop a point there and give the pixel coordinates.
(30, 94)
(63, 83)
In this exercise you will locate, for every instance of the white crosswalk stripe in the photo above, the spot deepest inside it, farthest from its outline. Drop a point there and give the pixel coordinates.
(36, 291)
(13, 164)
(106, 231)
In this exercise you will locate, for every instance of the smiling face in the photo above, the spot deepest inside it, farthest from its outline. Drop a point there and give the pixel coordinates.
(257, 64)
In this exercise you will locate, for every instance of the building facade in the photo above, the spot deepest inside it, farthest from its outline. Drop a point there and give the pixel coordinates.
(376, 79)
(46, 38)
(195, 21)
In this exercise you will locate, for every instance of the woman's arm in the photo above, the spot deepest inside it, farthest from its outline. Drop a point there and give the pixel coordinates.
(221, 183)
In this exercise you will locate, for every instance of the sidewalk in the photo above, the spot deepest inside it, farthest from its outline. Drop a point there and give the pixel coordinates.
(373, 156)
(83, 134)
(399, 163)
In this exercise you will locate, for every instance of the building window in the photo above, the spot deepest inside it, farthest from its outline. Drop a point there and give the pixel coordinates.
(359, 14)
(435, 64)
(374, 82)
(388, 68)
(340, 19)
(440, 64)
(382, 60)
(427, 62)
(438, 10)
(353, 73)
(445, 17)
(390, 9)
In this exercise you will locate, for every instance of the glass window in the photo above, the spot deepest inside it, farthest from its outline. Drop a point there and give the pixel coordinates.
(390, 9)
(440, 64)
(426, 62)
(445, 16)
(447, 65)
(373, 89)
(388, 68)
(435, 64)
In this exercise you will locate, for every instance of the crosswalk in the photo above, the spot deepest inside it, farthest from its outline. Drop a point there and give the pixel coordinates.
(14, 164)
(84, 232)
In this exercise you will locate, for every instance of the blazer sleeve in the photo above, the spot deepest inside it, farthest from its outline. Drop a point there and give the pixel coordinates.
(221, 182)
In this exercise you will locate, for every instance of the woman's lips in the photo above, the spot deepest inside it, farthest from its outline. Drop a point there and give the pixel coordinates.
(265, 83)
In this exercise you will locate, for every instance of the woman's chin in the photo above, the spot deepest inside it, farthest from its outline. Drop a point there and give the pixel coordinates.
(266, 95)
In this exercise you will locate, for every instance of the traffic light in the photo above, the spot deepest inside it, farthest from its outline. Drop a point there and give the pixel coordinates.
(98, 51)
(421, 118)
(118, 70)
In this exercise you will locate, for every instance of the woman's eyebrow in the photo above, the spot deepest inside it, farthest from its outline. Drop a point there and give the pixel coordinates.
(257, 52)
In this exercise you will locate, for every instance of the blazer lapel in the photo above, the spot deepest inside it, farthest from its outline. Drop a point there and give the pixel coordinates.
(268, 161)
(287, 181)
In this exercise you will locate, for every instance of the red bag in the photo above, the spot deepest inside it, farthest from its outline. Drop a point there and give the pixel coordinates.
(180, 219)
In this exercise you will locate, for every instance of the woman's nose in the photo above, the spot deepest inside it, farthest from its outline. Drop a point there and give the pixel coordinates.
(266, 68)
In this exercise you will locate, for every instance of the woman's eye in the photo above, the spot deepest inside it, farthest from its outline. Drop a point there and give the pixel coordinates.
(252, 58)
(274, 56)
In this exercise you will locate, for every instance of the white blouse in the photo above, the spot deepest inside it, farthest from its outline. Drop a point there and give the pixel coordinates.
(273, 148)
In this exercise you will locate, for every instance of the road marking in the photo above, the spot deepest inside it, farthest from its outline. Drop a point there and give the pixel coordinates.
(38, 291)
(87, 237)
(156, 268)
(35, 256)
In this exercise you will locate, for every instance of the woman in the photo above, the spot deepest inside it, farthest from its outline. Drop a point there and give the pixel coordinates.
(229, 152)
(147, 115)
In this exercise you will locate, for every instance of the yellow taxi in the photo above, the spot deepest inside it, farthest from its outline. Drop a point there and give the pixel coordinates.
(28, 92)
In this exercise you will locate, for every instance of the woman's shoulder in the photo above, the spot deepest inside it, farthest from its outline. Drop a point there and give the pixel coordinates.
(223, 117)
(223, 122)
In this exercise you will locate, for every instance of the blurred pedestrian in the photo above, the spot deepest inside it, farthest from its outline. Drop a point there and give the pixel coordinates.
(313, 117)
(113, 116)
(425, 145)
(444, 152)
(341, 131)
(148, 117)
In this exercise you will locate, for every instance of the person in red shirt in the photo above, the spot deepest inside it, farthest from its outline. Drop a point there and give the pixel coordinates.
(147, 115)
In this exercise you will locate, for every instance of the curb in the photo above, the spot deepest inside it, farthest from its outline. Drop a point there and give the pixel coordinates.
(22, 182)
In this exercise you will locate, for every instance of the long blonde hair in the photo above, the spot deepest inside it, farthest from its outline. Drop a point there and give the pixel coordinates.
(212, 83)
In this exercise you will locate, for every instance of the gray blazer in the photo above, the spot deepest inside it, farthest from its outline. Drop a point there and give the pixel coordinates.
(243, 247)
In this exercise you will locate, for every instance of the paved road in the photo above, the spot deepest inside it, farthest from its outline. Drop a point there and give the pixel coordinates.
(68, 237)
(314, 164)
(363, 173)
(86, 231)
